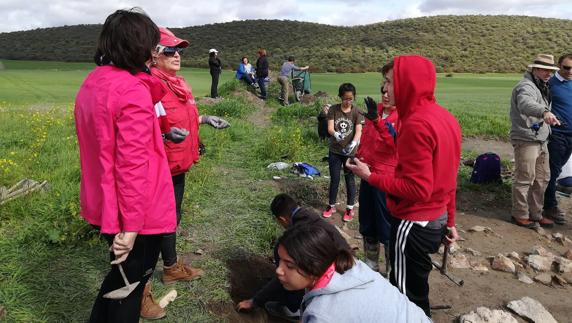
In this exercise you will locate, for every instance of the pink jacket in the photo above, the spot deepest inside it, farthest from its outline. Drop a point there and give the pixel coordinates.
(125, 180)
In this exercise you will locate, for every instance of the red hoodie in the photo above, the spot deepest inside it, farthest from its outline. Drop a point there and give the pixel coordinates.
(377, 147)
(428, 147)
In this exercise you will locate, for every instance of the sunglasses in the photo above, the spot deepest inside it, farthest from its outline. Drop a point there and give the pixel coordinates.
(566, 68)
(170, 51)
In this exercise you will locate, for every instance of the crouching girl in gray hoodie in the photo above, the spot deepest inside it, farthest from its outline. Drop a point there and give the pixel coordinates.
(339, 287)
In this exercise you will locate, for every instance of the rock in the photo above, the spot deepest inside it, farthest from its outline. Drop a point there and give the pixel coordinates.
(502, 263)
(559, 280)
(453, 248)
(540, 231)
(544, 278)
(472, 252)
(563, 265)
(567, 277)
(479, 228)
(541, 251)
(199, 252)
(568, 254)
(532, 310)
(540, 263)
(485, 315)
(480, 267)
(524, 278)
(514, 255)
(459, 261)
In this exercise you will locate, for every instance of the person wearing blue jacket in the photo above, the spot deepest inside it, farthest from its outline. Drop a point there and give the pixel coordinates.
(339, 288)
(245, 72)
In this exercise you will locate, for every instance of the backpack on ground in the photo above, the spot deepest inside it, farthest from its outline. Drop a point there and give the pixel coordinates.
(487, 169)
(305, 169)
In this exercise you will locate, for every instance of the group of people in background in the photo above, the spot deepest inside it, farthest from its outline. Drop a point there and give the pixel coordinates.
(541, 134)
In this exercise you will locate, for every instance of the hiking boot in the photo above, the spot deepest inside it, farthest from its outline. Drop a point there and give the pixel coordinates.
(150, 310)
(525, 223)
(545, 223)
(327, 213)
(554, 213)
(348, 215)
(180, 272)
(278, 310)
(371, 252)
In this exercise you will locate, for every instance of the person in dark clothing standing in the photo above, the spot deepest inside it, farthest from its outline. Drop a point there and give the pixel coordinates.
(273, 296)
(215, 67)
(262, 72)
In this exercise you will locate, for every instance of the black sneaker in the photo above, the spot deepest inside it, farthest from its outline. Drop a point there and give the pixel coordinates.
(276, 309)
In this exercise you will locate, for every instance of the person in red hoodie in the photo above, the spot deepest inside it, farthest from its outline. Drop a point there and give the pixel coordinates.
(378, 150)
(421, 192)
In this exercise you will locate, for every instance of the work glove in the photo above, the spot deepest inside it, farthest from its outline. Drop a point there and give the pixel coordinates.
(350, 147)
(338, 136)
(216, 122)
(176, 135)
(372, 113)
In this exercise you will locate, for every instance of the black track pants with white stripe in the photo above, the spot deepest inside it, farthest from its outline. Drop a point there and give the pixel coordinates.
(410, 245)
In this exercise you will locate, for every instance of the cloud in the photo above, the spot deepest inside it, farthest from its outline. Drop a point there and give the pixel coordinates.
(554, 8)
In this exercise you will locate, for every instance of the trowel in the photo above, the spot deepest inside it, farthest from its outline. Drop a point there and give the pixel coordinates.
(124, 291)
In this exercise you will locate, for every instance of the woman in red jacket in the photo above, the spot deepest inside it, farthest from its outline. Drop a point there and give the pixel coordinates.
(183, 146)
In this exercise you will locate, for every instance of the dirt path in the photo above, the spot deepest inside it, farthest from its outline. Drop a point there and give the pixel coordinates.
(502, 148)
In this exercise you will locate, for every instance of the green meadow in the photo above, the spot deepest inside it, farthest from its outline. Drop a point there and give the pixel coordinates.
(51, 262)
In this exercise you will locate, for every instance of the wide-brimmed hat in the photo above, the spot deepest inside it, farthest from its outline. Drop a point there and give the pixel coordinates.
(212, 50)
(544, 61)
(168, 39)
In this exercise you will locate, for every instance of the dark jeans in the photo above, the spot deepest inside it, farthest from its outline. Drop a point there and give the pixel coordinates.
(559, 151)
(409, 247)
(374, 217)
(214, 84)
(138, 266)
(262, 85)
(336, 163)
(169, 243)
(248, 79)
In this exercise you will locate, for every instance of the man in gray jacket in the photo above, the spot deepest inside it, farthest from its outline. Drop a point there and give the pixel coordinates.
(530, 116)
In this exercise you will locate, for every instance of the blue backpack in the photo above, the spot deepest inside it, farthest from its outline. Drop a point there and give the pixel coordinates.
(306, 169)
(487, 169)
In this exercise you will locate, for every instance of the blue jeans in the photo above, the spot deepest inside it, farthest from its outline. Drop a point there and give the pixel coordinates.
(559, 150)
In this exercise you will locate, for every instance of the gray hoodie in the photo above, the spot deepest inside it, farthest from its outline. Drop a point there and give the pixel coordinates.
(360, 295)
(527, 106)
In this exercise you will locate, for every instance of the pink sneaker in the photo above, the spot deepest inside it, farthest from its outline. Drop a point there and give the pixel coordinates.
(348, 215)
(327, 213)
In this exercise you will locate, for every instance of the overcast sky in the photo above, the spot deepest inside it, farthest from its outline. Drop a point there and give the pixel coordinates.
(23, 15)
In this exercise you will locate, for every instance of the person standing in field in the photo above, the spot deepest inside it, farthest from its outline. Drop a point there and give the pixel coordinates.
(262, 72)
(560, 140)
(345, 123)
(378, 150)
(284, 78)
(531, 117)
(182, 149)
(215, 67)
(421, 193)
(126, 191)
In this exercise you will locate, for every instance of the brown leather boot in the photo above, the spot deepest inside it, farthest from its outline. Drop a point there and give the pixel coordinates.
(180, 272)
(150, 310)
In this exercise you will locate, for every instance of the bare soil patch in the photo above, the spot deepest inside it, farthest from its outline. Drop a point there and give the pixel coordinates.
(502, 148)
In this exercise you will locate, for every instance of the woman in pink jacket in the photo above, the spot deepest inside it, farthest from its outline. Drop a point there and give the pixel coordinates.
(126, 191)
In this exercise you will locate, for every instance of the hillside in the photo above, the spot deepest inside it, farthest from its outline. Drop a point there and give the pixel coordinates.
(455, 43)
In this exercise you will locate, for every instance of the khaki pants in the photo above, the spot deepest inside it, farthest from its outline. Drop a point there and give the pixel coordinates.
(531, 176)
(284, 84)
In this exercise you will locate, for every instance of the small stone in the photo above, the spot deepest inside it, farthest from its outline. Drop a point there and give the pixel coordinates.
(441, 249)
(459, 261)
(544, 278)
(276, 178)
(485, 315)
(540, 231)
(199, 252)
(502, 263)
(472, 252)
(532, 310)
(480, 267)
(540, 250)
(567, 277)
(568, 254)
(540, 263)
(524, 278)
(563, 265)
(559, 280)
(479, 228)
(514, 255)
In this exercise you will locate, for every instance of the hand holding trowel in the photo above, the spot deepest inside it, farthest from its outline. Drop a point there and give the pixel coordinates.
(122, 245)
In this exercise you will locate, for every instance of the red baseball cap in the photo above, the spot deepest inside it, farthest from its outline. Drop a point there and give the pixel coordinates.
(169, 39)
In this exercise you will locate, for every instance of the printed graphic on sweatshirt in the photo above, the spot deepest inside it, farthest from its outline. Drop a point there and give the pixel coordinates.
(344, 126)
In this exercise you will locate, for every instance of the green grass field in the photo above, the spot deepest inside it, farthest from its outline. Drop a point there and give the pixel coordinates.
(51, 262)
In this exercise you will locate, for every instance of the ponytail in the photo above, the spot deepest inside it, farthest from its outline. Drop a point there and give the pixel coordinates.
(344, 261)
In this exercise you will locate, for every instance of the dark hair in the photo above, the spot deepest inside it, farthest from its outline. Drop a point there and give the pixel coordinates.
(313, 249)
(262, 52)
(290, 58)
(283, 204)
(387, 67)
(126, 40)
(212, 54)
(242, 59)
(346, 87)
(563, 57)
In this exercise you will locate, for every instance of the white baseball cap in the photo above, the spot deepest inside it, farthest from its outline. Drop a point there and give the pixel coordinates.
(212, 50)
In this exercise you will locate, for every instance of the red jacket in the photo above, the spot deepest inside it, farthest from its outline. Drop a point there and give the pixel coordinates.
(181, 115)
(377, 147)
(428, 149)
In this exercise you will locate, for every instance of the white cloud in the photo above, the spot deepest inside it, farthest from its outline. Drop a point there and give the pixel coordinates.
(554, 8)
